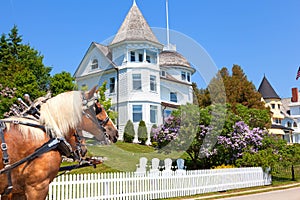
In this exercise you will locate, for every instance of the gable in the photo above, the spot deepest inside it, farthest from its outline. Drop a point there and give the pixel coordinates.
(96, 59)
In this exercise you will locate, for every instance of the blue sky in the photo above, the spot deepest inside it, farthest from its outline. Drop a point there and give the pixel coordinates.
(262, 36)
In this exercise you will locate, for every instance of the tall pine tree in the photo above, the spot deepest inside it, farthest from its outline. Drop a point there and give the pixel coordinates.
(22, 68)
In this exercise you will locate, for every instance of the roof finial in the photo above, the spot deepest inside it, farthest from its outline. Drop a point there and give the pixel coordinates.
(134, 3)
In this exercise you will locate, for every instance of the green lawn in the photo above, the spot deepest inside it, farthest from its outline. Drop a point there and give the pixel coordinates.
(123, 156)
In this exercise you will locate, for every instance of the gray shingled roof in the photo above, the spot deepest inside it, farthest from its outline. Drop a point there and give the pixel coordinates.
(105, 50)
(172, 58)
(134, 28)
(266, 90)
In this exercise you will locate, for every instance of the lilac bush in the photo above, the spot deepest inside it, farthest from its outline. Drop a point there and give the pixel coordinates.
(242, 139)
(167, 132)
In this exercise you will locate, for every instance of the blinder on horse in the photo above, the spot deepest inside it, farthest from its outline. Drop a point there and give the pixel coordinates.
(59, 144)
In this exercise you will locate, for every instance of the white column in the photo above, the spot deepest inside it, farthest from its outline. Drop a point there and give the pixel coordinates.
(145, 53)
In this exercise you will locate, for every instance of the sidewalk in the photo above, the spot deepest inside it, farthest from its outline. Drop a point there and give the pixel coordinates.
(247, 191)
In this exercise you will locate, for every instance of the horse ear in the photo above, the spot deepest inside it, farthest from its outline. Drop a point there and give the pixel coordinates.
(90, 94)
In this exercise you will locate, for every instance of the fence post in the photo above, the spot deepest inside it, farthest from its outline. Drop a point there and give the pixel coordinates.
(293, 173)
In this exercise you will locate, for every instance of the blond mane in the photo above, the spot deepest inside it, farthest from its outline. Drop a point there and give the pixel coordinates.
(36, 133)
(62, 113)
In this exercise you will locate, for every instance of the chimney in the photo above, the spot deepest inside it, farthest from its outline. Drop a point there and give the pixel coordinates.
(294, 95)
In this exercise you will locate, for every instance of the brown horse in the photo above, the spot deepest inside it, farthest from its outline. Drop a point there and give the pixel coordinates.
(61, 116)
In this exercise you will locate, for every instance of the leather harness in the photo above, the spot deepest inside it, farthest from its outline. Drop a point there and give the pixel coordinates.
(59, 144)
(54, 143)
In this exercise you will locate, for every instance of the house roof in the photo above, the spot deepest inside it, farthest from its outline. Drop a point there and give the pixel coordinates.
(173, 58)
(266, 90)
(134, 28)
(105, 50)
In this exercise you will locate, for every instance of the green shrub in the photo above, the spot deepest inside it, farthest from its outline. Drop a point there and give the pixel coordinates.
(142, 132)
(154, 143)
(128, 132)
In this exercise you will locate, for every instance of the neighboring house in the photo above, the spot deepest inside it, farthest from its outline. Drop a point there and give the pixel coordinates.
(273, 101)
(291, 110)
(145, 81)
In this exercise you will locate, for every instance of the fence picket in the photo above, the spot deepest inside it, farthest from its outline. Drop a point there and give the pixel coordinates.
(129, 185)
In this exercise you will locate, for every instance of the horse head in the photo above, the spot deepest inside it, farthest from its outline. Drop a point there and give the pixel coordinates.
(107, 124)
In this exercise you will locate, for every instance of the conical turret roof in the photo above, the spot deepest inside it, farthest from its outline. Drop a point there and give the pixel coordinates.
(266, 90)
(134, 28)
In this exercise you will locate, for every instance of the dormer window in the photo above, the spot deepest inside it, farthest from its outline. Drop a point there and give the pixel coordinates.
(141, 56)
(295, 124)
(163, 73)
(94, 64)
(132, 56)
(148, 59)
(185, 76)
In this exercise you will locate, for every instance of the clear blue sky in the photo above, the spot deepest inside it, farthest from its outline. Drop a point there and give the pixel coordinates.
(262, 36)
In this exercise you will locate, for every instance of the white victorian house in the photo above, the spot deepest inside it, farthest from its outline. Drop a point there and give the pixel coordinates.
(144, 80)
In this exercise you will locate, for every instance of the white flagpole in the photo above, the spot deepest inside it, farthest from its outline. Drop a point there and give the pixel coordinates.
(167, 17)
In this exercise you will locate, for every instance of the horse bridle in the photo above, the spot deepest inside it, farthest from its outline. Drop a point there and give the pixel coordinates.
(78, 151)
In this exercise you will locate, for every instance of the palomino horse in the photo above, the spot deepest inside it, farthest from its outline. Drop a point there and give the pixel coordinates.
(60, 116)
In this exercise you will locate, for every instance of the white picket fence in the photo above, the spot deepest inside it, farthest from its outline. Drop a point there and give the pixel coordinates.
(128, 185)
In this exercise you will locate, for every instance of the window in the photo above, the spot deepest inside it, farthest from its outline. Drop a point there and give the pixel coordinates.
(153, 83)
(188, 77)
(112, 83)
(289, 124)
(183, 76)
(295, 124)
(148, 59)
(137, 113)
(94, 64)
(278, 106)
(153, 114)
(163, 73)
(141, 57)
(132, 56)
(273, 106)
(277, 121)
(173, 97)
(136, 82)
(167, 113)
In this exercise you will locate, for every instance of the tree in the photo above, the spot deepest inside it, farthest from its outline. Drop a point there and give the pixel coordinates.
(253, 116)
(142, 132)
(129, 133)
(231, 89)
(106, 102)
(22, 68)
(201, 96)
(61, 82)
(240, 90)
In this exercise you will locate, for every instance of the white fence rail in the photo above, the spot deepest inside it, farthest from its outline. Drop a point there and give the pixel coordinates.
(128, 185)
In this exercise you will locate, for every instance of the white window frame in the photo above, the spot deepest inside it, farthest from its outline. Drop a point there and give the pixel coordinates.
(153, 85)
(112, 83)
(137, 81)
(136, 111)
(173, 100)
(94, 64)
(153, 114)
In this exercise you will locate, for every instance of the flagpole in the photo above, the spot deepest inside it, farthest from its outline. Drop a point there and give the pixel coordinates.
(298, 73)
(167, 18)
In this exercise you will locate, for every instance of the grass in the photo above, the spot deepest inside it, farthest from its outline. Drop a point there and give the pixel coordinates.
(123, 157)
